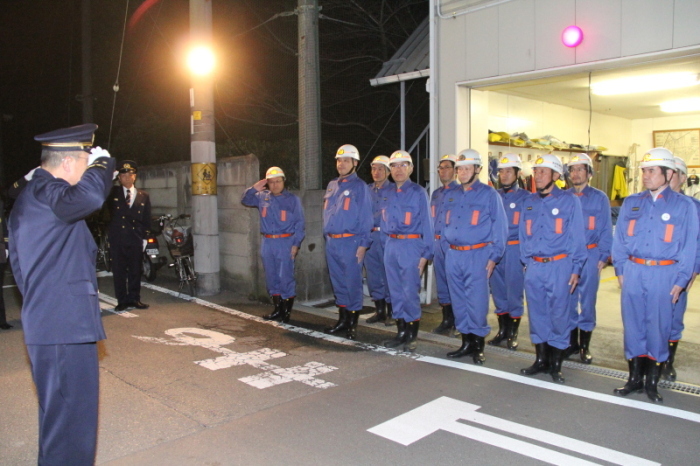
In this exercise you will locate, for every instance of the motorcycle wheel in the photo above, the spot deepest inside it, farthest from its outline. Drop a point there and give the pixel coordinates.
(148, 269)
(188, 271)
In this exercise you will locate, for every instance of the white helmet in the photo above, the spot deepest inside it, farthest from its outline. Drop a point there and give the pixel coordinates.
(549, 161)
(658, 157)
(581, 159)
(680, 165)
(348, 150)
(509, 160)
(468, 157)
(382, 160)
(274, 172)
(400, 156)
(449, 157)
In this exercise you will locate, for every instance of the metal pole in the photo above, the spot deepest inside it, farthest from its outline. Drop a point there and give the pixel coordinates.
(309, 97)
(205, 220)
(403, 116)
(86, 62)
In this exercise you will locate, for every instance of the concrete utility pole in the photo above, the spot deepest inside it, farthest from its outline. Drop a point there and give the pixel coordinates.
(309, 97)
(205, 220)
(86, 62)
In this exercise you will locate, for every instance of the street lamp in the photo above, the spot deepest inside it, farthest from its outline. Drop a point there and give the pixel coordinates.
(201, 60)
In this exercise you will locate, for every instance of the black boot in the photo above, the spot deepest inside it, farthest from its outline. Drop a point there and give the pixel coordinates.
(573, 344)
(667, 371)
(478, 354)
(556, 357)
(389, 315)
(541, 361)
(584, 346)
(503, 322)
(635, 382)
(400, 337)
(652, 382)
(287, 305)
(342, 323)
(468, 347)
(412, 335)
(380, 315)
(448, 321)
(513, 333)
(353, 318)
(277, 313)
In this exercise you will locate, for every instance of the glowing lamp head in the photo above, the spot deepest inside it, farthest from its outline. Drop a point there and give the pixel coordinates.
(201, 61)
(572, 36)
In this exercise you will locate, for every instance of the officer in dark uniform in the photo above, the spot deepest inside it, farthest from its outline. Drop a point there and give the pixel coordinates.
(53, 261)
(130, 210)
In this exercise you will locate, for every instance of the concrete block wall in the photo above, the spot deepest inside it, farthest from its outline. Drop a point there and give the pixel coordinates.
(169, 186)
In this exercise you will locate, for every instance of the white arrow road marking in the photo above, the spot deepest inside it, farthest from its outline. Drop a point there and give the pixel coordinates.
(445, 413)
(304, 374)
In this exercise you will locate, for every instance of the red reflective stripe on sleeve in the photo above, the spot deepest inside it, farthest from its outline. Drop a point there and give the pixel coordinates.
(591, 223)
(432, 211)
(516, 217)
(630, 228)
(559, 226)
(528, 227)
(283, 215)
(346, 204)
(407, 218)
(668, 237)
(264, 212)
(475, 217)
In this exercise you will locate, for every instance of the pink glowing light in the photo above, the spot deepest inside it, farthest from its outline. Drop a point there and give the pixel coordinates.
(572, 36)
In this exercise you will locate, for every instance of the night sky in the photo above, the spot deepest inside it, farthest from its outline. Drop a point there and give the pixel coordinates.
(256, 83)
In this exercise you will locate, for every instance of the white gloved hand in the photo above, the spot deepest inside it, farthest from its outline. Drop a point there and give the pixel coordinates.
(30, 174)
(95, 153)
(145, 242)
(115, 175)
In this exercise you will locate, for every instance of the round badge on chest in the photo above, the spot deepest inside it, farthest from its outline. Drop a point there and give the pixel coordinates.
(512, 205)
(666, 217)
(346, 193)
(555, 211)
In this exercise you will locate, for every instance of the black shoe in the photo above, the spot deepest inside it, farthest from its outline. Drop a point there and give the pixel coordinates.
(121, 307)
(286, 306)
(468, 347)
(352, 320)
(573, 344)
(448, 321)
(278, 312)
(5, 326)
(400, 337)
(541, 361)
(341, 324)
(478, 354)
(412, 335)
(380, 314)
(667, 371)
(389, 315)
(584, 346)
(139, 305)
(556, 357)
(652, 381)
(635, 382)
(503, 321)
(513, 333)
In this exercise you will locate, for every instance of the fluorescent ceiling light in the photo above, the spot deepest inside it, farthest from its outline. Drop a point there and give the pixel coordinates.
(653, 82)
(682, 105)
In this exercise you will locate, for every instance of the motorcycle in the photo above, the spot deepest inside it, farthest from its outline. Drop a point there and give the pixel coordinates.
(178, 238)
(152, 260)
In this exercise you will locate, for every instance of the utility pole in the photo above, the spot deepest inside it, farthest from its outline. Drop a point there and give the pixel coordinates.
(86, 62)
(309, 97)
(205, 220)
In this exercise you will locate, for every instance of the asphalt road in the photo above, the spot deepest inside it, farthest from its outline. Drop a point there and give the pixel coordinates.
(212, 384)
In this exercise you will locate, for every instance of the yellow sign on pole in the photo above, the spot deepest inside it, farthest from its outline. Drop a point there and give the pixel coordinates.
(203, 178)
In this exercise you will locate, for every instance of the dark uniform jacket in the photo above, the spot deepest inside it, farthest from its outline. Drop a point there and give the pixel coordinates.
(53, 256)
(128, 225)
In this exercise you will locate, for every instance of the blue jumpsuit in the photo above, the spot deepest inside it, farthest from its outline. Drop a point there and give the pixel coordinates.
(347, 223)
(473, 217)
(374, 259)
(597, 225)
(407, 213)
(436, 211)
(682, 303)
(552, 248)
(507, 279)
(282, 226)
(665, 230)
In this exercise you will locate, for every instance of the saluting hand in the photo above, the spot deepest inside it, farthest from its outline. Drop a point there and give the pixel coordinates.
(573, 281)
(260, 185)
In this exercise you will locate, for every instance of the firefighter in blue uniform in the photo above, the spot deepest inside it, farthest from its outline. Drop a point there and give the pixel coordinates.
(282, 228)
(654, 252)
(446, 173)
(667, 370)
(409, 228)
(475, 238)
(347, 224)
(553, 250)
(507, 279)
(374, 259)
(53, 259)
(597, 224)
(129, 227)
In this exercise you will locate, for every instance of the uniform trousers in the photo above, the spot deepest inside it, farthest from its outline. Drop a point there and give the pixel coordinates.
(345, 271)
(277, 261)
(469, 286)
(647, 310)
(401, 259)
(67, 385)
(507, 282)
(547, 292)
(374, 266)
(586, 293)
(127, 261)
(443, 291)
